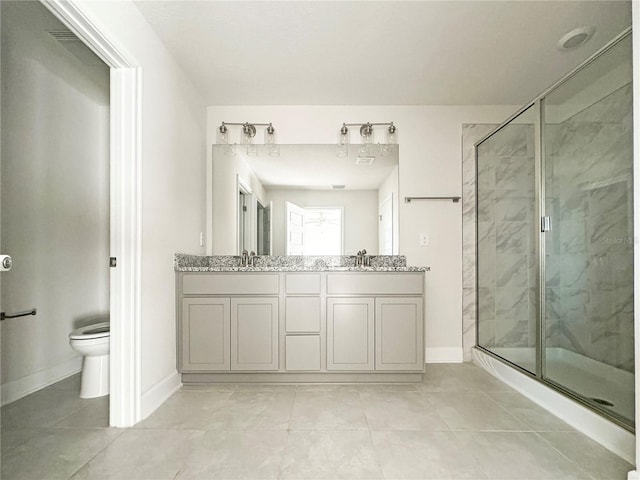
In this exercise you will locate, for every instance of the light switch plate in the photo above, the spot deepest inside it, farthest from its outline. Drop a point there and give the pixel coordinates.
(424, 239)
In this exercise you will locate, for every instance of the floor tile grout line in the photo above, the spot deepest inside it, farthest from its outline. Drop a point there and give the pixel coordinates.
(99, 452)
(562, 454)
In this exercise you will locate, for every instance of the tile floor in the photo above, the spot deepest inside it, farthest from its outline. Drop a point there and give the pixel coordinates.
(460, 423)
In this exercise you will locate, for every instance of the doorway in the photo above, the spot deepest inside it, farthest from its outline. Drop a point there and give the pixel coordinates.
(124, 211)
(55, 196)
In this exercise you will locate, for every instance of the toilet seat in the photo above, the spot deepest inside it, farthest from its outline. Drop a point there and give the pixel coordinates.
(96, 330)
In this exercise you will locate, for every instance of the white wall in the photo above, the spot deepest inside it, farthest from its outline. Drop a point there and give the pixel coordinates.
(430, 164)
(55, 198)
(173, 180)
(360, 215)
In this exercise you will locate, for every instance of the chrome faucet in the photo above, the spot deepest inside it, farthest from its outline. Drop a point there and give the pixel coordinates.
(251, 261)
(366, 259)
(362, 259)
(244, 260)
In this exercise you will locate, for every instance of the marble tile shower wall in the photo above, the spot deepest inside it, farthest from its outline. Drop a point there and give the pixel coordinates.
(589, 287)
(506, 238)
(470, 135)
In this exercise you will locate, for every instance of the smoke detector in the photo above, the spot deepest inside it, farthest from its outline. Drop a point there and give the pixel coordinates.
(575, 38)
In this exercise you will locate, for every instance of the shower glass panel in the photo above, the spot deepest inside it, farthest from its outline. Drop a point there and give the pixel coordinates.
(506, 242)
(588, 275)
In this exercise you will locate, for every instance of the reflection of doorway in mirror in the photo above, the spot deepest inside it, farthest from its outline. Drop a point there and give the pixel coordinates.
(323, 231)
(265, 222)
(385, 228)
(295, 229)
(242, 220)
(246, 212)
(314, 230)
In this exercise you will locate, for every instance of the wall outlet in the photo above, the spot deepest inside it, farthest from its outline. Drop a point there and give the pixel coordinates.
(424, 239)
(202, 239)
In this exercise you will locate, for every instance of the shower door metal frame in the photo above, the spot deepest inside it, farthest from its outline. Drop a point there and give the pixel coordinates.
(540, 201)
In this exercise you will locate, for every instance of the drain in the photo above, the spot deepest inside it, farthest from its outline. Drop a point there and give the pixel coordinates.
(603, 402)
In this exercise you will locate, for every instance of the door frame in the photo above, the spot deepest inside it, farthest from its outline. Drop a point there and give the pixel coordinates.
(125, 162)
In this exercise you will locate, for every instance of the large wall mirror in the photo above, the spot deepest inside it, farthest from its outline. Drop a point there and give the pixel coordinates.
(304, 199)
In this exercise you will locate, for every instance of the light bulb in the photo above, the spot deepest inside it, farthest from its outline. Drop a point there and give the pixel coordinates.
(248, 132)
(366, 132)
(223, 134)
(392, 134)
(270, 135)
(343, 135)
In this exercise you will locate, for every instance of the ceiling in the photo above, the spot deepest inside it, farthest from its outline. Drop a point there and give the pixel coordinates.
(378, 53)
(316, 167)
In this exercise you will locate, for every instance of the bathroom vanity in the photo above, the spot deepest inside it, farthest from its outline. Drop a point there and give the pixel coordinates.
(299, 319)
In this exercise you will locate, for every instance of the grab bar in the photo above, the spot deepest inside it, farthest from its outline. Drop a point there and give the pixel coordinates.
(3, 315)
(453, 199)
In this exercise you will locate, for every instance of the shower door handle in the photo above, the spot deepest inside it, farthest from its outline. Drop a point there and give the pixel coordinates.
(545, 224)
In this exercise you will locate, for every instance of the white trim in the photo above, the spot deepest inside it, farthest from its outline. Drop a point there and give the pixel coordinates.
(160, 392)
(608, 434)
(22, 387)
(633, 475)
(443, 355)
(125, 207)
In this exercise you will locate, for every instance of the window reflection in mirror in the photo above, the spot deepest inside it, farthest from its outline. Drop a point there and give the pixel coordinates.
(365, 190)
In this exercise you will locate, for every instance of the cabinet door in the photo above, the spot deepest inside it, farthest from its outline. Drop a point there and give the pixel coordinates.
(350, 334)
(254, 333)
(399, 334)
(302, 353)
(205, 334)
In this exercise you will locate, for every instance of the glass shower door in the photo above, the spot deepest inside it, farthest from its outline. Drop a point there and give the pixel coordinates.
(507, 227)
(588, 251)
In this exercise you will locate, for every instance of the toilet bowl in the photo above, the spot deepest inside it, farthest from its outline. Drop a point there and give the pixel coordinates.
(92, 342)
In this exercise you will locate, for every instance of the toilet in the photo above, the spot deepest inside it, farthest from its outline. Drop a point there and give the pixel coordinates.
(92, 342)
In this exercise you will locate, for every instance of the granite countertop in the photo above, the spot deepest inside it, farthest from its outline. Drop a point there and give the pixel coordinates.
(293, 263)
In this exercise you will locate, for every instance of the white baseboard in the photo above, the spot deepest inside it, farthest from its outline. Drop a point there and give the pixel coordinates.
(16, 389)
(443, 355)
(633, 475)
(159, 393)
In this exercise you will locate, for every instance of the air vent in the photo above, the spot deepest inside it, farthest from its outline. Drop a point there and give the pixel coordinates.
(76, 47)
(365, 160)
(63, 35)
(337, 187)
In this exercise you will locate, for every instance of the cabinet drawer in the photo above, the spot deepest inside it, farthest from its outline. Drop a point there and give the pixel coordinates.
(375, 283)
(302, 314)
(230, 284)
(302, 283)
(302, 352)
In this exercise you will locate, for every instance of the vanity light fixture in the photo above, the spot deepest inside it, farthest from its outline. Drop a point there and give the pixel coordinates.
(270, 140)
(367, 136)
(247, 134)
(343, 141)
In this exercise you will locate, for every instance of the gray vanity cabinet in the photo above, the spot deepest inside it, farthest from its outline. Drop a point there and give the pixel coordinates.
(399, 333)
(254, 333)
(375, 322)
(300, 326)
(303, 321)
(206, 334)
(222, 328)
(350, 336)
